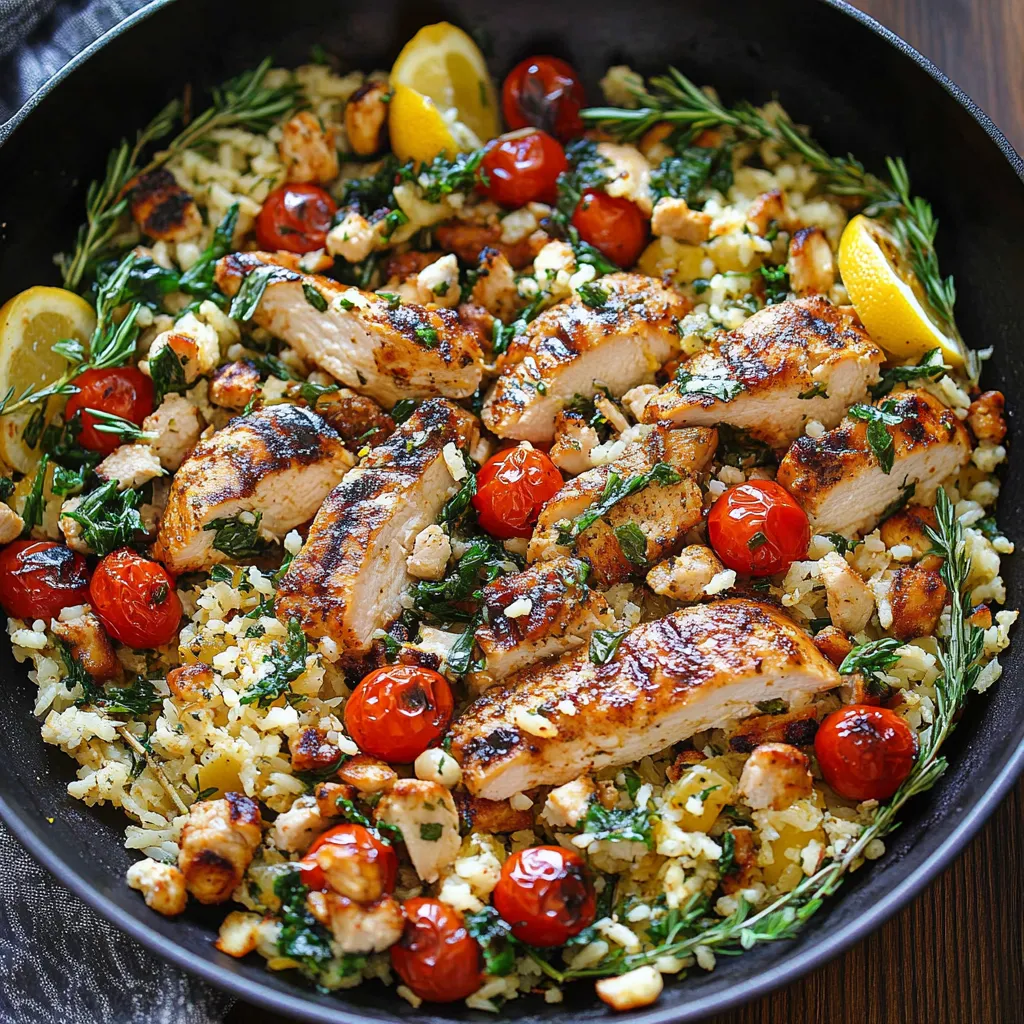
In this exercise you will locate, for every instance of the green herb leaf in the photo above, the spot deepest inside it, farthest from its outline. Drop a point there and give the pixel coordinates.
(872, 658)
(842, 544)
(776, 290)
(168, 373)
(723, 388)
(604, 643)
(250, 293)
(302, 938)
(403, 409)
(775, 706)
(430, 831)
(879, 419)
(727, 862)
(314, 297)
(124, 430)
(109, 518)
(198, 279)
(238, 536)
(931, 367)
(287, 662)
(618, 825)
(494, 936)
(633, 543)
(816, 390)
(593, 295)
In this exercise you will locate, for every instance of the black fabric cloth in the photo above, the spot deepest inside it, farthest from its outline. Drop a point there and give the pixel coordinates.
(60, 963)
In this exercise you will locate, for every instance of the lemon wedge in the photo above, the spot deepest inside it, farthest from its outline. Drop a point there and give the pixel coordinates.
(887, 294)
(443, 97)
(30, 324)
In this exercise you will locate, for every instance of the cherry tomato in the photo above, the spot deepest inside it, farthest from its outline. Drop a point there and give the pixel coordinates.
(296, 218)
(865, 752)
(523, 167)
(397, 711)
(612, 224)
(135, 599)
(436, 957)
(125, 392)
(511, 487)
(758, 528)
(546, 895)
(39, 577)
(360, 841)
(544, 92)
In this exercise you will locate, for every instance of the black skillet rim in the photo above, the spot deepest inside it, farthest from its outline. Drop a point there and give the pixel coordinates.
(790, 969)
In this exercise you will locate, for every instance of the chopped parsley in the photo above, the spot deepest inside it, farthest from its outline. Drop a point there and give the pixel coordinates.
(403, 409)
(494, 936)
(619, 825)
(168, 373)
(247, 299)
(302, 938)
(776, 285)
(427, 335)
(109, 518)
(872, 659)
(691, 172)
(725, 389)
(757, 540)
(842, 544)
(775, 706)
(287, 662)
(238, 536)
(430, 831)
(198, 279)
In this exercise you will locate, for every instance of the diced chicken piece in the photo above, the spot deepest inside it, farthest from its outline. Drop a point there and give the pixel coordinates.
(162, 209)
(568, 804)
(11, 524)
(430, 553)
(279, 462)
(768, 207)
(439, 282)
(351, 872)
(635, 400)
(131, 465)
(357, 928)
(909, 526)
(385, 352)
(744, 855)
(495, 287)
(812, 270)
(985, 417)
(663, 512)
(684, 576)
(311, 751)
(612, 413)
(479, 321)
(572, 348)
(786, 365)
(349, 577)
(437, 765)
(468, 241)
(842, 487)
(194, 344)
(328, 795)
(191, 684)
(673, 218)
(162, 886)
(850, 601)
(425, 814)
(308, 150)
(294, 830)
(353, 238)
(89, 645)
(217, 845)
(575, 439)
(367, 774)
(774, 776)
(239, 933)
(794, 727)
(695, 669)
(360, 421)
(499, 816)
(917, 597)
(555, 612)
(628, 173)
(366, 118)
(833, 643)
(234, 385)
(177, 428)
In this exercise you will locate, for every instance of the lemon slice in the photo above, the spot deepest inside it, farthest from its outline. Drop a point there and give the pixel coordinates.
(30, 324)
(887, 294)
(457, 100)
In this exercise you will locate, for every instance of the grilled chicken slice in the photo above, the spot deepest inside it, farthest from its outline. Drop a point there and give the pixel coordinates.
(841, 485)
(542, 611)
(278, 463)
(695, 669)
(788, 364)
(386, 352)
(349, 577)
(572, 348)
(662, 511)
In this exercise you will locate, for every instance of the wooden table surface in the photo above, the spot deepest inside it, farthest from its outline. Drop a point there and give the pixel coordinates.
(956, 954)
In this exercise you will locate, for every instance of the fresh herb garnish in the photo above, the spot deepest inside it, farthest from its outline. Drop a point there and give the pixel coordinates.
(879, 418)
(314, 297)
(403, 409)
(931, 367)
(842, 544)
(604, 643)
(430, 831)
(723, 388)
(287, 662)
(633, 543)
(109, 518)
(198, 279)
(816, 390)
(124, 430)
(238, 536)
(619, 825)
(775, 706)
(250, 292)
(494, 936)
(593, 295)
(302, 938)
(689, 173)
(872, 659)
(776, 285)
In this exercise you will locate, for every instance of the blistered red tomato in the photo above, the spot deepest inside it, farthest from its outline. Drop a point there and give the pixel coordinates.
(523, 167)
(865, 752)
(615, 226)
(758, 528)
(544, 92)
(397, 711)
(125, 392)
(545, 895)
(135, 599)
(38, 578)
(436, 957)
(295, 218)
(511, 487)
(362, 844)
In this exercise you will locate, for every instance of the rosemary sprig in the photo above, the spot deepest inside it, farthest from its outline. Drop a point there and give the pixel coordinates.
(673, 99)
(959, 656)
(242, 102)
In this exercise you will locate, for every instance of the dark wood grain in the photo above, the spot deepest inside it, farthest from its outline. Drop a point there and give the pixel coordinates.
(956, 954)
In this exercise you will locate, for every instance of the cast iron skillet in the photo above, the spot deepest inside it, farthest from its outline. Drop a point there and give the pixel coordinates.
(861, 88)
